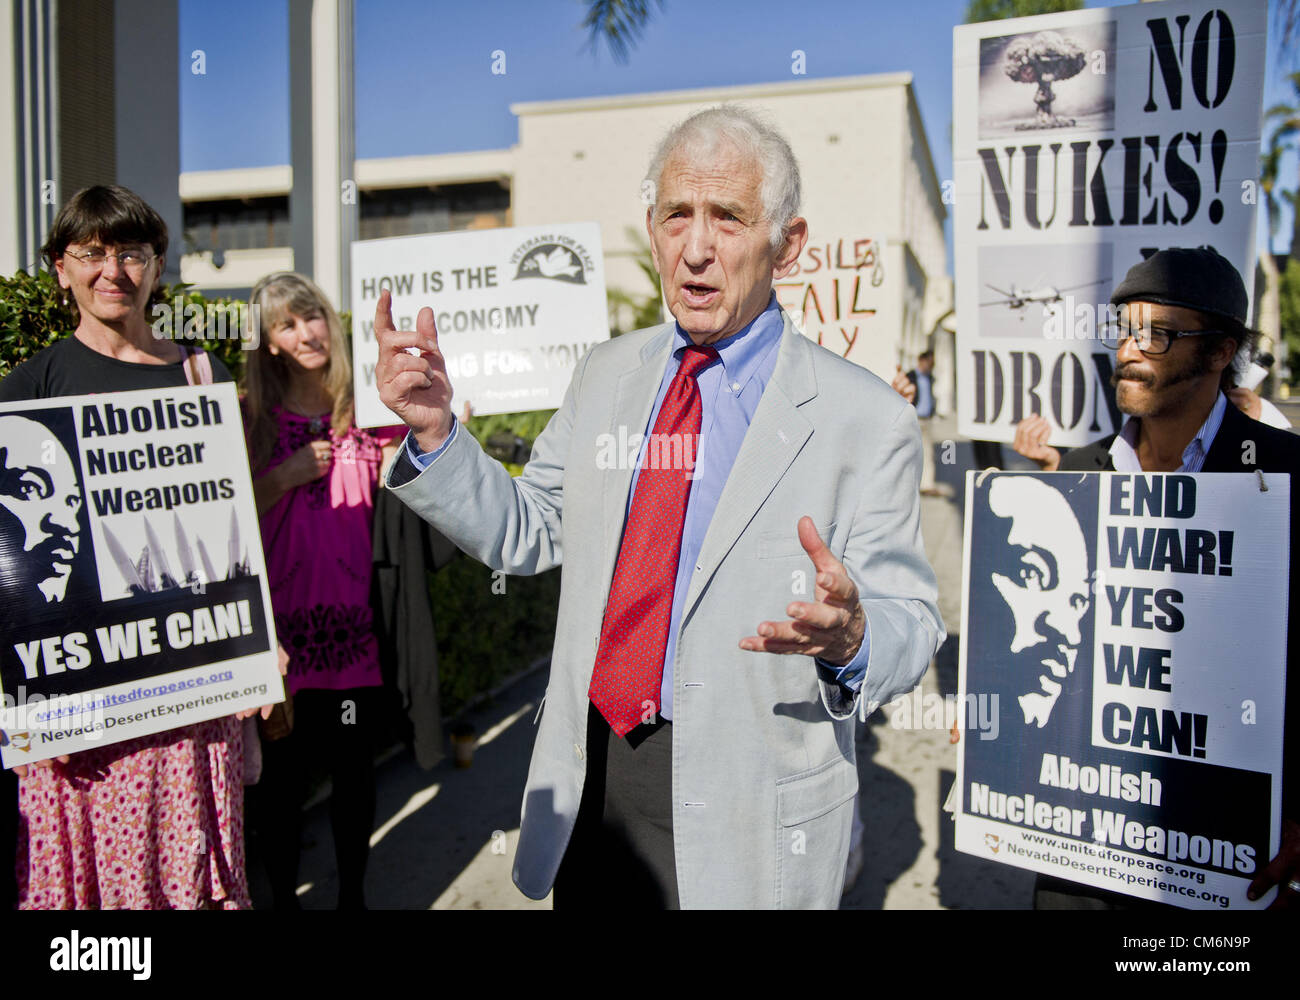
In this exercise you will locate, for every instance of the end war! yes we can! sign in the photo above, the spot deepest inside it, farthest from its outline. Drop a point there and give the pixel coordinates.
(133, 595)
(1131, 631)
(1084, 142)
(515, 310)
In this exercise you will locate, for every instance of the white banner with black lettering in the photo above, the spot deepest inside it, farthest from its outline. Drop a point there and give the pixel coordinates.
(515, 310)
(1130, 632)
(1083, 143)
(133, 595)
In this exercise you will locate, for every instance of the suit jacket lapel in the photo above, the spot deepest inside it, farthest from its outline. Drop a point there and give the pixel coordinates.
(1225, 454)
(775, 436)
(634, 395)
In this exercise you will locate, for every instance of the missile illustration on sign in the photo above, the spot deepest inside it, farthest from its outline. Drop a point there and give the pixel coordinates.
(140, 577)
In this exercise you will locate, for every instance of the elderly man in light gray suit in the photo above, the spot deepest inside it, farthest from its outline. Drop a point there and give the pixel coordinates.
(729, 595)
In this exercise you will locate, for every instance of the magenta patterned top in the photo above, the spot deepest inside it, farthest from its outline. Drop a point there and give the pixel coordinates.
(317, 540)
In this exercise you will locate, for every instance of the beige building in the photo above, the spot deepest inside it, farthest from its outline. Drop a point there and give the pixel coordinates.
(872, 282)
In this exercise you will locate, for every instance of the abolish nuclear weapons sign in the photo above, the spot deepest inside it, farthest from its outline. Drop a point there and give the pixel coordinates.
(133, 595)
(1083, 143)
(1131, 631)
(515, 310)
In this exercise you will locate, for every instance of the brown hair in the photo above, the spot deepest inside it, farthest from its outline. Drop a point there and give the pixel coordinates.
(1245, 339)
(266, 376)
(110, 214)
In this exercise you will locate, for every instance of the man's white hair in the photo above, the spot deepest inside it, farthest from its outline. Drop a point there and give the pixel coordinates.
(729, 127)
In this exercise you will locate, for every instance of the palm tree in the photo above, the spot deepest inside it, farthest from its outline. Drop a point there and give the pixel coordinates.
(1269, 310)
(1287, 129)
(618, 23)
(643, 309)
(1286, 19)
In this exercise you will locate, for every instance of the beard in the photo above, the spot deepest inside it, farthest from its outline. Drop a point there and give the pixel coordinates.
(1152, 399)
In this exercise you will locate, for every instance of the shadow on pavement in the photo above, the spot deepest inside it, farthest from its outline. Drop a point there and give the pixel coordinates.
(433, 824)
(891, 837)
(967, 882)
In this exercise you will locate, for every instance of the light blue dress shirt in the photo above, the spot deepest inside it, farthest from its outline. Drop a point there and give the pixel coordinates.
(729, 395)
(924, 395)
(1123, 450)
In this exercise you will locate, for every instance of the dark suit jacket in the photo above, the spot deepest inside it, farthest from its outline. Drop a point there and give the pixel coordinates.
(1275, 451)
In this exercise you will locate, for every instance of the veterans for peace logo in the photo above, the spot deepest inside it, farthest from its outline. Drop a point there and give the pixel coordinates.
(556, 257)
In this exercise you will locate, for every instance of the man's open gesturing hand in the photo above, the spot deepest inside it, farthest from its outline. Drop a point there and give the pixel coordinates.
(831, 626)
(414, 386)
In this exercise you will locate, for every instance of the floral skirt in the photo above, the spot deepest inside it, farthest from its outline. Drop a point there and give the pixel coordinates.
(151, 823)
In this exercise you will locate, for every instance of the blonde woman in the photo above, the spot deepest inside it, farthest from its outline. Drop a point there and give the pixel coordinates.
(315, 474)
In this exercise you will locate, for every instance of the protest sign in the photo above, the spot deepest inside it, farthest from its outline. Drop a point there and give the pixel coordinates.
(836, 294)
(1132, 630)
(133, 595)
(1083, 143)
(515, 309)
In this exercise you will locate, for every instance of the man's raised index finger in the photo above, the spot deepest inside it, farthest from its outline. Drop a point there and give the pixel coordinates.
(384, 313)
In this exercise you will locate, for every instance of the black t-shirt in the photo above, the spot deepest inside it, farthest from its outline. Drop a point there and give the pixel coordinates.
(70, 368)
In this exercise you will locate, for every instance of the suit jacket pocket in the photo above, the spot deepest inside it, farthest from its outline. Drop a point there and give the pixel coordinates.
(775, 545)
(813, 820)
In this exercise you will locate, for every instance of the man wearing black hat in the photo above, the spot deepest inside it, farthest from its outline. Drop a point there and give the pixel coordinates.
(1181, 322)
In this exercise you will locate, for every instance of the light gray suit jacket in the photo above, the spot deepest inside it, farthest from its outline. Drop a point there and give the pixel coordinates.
(764, 771)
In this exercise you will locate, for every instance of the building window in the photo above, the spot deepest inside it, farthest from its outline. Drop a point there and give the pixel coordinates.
(449, 208)
(236, 224)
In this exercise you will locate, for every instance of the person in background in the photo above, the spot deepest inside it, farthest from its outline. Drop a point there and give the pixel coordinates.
(1250, 402)
(922, 376)
(315, 475)
(1033, 432)
(154, 822)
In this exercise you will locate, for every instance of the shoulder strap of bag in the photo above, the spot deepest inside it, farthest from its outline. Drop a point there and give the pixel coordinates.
(197, 365)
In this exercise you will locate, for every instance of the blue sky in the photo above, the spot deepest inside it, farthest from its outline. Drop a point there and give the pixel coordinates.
(424, 81)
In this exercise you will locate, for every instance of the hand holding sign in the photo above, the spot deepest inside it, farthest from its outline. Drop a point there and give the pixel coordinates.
(1031, 441)
(282, 657)
(414, 386)
(903, 385)
(832, 626)
(1283, 871)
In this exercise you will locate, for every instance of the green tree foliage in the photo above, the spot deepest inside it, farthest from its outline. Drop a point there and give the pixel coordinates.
(1290, 308)
(1285, 119)
(489, 627)
(998, 10)
(33, 314)
(645, 309)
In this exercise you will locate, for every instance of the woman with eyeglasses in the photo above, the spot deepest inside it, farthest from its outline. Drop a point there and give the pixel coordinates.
(154, 822)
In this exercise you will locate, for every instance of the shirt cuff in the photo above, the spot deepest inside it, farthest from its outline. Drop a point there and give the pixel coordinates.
(852, 674)
(422, 460)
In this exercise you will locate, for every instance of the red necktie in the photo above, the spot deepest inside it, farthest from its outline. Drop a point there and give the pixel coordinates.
(634, 636)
